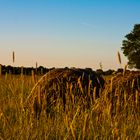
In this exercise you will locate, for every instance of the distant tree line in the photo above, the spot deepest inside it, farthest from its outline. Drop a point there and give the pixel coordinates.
(110, 71)
(42, 70)
(23, 70)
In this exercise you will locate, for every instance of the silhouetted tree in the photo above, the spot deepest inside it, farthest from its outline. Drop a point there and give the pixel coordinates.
(131, 47)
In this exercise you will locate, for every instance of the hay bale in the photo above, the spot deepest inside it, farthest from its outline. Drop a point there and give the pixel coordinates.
(128, 82)
(123, 91)
(122, 87)
(60, 83)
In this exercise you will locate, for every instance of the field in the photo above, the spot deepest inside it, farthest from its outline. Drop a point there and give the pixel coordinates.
(115, 115)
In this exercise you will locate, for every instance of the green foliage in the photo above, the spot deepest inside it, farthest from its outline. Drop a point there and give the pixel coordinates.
(131, 47)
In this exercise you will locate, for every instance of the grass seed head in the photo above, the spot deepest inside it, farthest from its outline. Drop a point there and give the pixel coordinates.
(13, 56)
(119, 57)
(0, 70)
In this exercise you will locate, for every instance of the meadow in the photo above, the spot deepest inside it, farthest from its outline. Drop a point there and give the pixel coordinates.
(113, 116)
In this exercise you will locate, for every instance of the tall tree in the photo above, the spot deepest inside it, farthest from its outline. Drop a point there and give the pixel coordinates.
(131, 47)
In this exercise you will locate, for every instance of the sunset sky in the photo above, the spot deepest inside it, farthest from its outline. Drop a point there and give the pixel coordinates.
(65, 33)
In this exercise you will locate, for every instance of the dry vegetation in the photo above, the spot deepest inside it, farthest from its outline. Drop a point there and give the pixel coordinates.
(115, 115)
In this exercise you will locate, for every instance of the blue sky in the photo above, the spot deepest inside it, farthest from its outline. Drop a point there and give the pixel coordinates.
(60, 33)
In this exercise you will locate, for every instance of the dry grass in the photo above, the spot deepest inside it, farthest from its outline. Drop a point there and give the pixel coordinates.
(115, 115)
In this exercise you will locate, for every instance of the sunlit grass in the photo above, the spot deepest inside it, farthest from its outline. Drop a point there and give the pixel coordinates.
(112, 116)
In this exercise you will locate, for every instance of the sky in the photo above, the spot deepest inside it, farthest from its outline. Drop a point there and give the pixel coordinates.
(66, 33)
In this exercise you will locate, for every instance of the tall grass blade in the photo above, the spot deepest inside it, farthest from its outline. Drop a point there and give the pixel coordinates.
(84, 127)
(13, 56)
(119, 57)
(0, 69)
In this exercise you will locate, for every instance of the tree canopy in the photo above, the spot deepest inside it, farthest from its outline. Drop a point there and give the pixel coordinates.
(131, 47)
